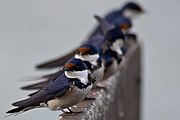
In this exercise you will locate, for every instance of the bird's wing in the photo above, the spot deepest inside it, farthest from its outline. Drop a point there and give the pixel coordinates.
(56, 62)
(35, 86)
(113, 15)
(57, 87)
(96, 40)
(104, 25)
(54, 89)
(39, 85)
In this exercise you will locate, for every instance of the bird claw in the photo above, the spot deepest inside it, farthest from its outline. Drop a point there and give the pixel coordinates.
(70, 112)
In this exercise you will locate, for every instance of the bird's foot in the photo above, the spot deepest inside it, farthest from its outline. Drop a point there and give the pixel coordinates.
(69, 112)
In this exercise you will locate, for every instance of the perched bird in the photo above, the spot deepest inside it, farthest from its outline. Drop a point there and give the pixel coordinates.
(98, 58)
(112, 46)
(89, 55)
(121, 17)
(125, 25)
(75, 82)
(130, 11)
(113, 52)
(95, 40)
(109, 48)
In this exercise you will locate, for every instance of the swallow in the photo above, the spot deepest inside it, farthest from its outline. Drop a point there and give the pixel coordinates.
(111, 45)
(95, 40)
(129, 10)
(89, 55)
(113, 51)
(75, 82)
(125, 25)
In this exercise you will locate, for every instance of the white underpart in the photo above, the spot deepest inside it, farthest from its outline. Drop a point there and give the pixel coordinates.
(131, 14)
(117, 45)
(70, 98)
(81, 75)
(90, 58)
(99, 73)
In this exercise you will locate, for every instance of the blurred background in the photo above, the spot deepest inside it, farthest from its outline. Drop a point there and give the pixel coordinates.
(36, 30)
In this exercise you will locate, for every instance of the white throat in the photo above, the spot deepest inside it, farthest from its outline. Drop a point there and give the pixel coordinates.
(131, 14)
(116, 46)
(81, 75)
(90, 58)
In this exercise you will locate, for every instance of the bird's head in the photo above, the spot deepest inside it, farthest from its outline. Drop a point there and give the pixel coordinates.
(76, 69)
(74, 64)
(132, 10)
(87, 52)
(123, 23)
(114, 40)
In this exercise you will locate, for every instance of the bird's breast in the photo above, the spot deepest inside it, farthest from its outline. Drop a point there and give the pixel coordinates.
(99, 73)
(70, 98)
(111, 69)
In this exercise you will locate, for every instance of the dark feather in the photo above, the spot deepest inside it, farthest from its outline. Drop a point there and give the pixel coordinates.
(15, 110)
(104, 25)
(62, 60)
(54, 88)
(97, 41)
(39, 85)
(110, 18)
(33, 93)
(57, 62)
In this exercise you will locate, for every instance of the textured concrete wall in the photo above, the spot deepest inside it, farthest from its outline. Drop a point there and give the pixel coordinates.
(121, 99)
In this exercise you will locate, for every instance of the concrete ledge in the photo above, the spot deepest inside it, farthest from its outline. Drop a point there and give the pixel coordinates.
(120, 101)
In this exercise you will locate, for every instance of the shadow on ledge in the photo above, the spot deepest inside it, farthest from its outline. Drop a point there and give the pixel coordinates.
(121, 99)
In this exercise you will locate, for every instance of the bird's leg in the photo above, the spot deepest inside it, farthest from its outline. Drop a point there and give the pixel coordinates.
(69, 113)
(66, 112)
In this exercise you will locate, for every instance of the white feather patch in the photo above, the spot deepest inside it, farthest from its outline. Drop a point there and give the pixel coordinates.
(131, 14)
(81, 75)
(90, 58)
(117, 45)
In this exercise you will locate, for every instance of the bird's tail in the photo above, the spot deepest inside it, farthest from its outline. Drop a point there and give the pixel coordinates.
(19, 110)
(104, 25)
(15, 110)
